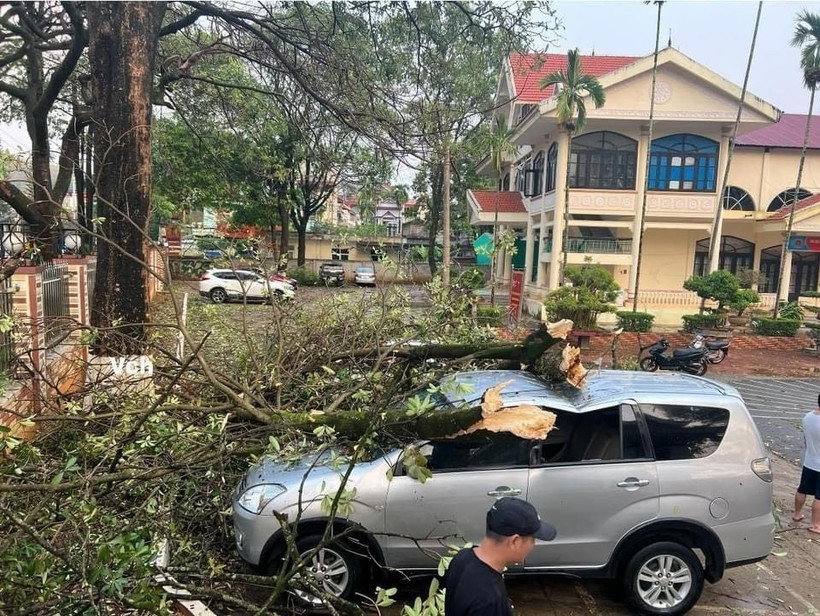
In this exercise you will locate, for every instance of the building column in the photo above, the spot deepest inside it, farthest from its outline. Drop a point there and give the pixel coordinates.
(545, 224)
(637, 219)
(499, 258)
(723, 160)
(528, 260)
(786, 264)
(560, 207)
(756, 262)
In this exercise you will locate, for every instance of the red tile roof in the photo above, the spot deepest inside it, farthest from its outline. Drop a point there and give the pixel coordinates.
(783, 212)
(506, 201)
(787, 133)
(528, 69)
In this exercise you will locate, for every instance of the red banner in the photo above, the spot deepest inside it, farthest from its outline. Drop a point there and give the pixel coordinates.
(516, 293)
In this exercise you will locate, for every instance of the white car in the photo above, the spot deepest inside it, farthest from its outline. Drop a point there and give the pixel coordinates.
(222, 285)
(364, 276)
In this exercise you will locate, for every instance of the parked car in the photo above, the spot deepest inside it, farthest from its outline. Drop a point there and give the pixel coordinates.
(222, 285)
(365, 276)
(278, 277)
(640, 471)
(332, 273)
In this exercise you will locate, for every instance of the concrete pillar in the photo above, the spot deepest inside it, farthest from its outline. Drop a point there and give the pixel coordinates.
(560, 206)
(546, 225)
(786, 264)
(756, 262)
(500, 255)
(640, 185)
(507, 268)
(528, 260)
(723, 160)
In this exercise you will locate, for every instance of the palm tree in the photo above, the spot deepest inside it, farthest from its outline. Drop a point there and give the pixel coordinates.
(500, 144)
(806, 36)
(574, 87)
(636, 286)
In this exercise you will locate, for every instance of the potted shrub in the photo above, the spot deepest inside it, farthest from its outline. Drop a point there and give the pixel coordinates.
(592, 292)
(744, 299)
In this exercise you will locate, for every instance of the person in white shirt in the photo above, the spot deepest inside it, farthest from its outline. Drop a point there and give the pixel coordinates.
(810, 479)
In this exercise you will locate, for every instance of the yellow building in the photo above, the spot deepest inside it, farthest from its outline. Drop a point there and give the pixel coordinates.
(695, 110)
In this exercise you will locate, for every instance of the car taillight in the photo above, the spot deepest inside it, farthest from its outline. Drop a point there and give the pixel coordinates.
(204, 277)
(762, 467)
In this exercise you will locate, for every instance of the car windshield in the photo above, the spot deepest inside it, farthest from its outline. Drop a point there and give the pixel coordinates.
(364, 270)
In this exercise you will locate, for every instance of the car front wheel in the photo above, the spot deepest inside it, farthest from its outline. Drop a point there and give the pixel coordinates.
(218, 296)
(332, 569)
(664, 578)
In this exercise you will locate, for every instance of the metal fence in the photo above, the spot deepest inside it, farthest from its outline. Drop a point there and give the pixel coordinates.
(55, 301)
(7, 352)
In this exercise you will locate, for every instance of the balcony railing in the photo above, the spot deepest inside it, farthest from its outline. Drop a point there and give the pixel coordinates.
(596, 246)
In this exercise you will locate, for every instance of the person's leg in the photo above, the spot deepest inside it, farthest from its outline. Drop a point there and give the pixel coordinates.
(799, 503)
(815, 516)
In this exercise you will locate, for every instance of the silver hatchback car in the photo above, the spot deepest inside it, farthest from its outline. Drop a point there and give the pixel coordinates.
(657, 480)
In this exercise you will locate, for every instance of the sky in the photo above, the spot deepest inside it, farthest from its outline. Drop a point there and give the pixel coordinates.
(714, 33)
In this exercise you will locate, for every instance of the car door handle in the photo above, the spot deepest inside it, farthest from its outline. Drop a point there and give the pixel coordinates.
(633, 482)
(504, 491)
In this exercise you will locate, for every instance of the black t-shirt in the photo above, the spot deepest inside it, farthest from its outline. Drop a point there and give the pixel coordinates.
(474, 588)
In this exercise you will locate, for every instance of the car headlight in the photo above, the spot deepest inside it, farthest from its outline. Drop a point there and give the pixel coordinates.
(256, 498)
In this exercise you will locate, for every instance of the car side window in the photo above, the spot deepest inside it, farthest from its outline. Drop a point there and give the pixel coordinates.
(606, 435)
(681, 432)
(478, 451)
(226, 276)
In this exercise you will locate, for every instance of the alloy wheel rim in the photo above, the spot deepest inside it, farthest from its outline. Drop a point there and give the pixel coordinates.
(218, 296)
(664, 581)
(328, 571)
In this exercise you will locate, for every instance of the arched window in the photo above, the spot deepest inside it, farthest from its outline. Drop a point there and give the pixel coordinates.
(683, 162)
(537, 173)
(737, 199)
(552, 163)
(603, 160)
(736, 254)
(786, 198)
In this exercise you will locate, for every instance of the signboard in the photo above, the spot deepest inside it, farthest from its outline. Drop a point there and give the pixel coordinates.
(516, 293)
(804, 243)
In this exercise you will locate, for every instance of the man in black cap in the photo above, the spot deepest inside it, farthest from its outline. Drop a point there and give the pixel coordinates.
(474, 583)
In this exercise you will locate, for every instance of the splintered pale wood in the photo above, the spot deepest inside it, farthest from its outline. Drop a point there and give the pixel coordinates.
(572, 367)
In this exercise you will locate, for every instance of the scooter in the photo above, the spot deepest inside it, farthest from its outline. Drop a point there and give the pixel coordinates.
(716, 350)
(689, 360)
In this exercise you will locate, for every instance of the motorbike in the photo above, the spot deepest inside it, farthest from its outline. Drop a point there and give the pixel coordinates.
(716, 350)
(689, 360)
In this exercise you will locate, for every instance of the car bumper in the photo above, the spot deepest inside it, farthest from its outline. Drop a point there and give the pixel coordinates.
(252, 532)
(747, 540)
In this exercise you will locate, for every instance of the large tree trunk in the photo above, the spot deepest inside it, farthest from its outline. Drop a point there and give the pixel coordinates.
(445, 212)
(123, 43)
(436, 188)
(301, 232)
(44, 228)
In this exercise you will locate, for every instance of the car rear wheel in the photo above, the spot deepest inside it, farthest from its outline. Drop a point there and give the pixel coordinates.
(218, 296)
(332, 568)
(648, 364)
(664, 578)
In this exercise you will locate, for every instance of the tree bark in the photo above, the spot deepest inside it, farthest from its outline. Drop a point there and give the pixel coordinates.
(436, 184)
(445, 209)
(301, 232)
(122, 52)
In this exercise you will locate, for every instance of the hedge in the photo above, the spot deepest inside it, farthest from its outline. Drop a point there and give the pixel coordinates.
(694, 322)
(305, 277)
(777, 327)
(634, 321)
(489, 315)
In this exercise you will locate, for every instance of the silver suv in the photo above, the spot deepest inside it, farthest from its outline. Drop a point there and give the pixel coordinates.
(657, 480)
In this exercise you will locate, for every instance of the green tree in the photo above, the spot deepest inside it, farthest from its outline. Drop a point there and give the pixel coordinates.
(575, 87)
(807, 37)
(720, 286)
(592, 292)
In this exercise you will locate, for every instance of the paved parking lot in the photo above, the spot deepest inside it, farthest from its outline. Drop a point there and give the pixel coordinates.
(777, 406)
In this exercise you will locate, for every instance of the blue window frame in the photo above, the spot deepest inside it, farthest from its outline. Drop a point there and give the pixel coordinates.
(683, 162)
